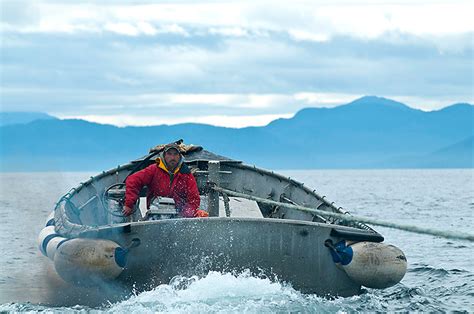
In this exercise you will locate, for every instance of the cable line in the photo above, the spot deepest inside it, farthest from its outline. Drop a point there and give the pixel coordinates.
(350, 218)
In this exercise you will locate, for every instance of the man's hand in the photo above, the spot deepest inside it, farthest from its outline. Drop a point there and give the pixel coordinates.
(201, 213)
(127, 211)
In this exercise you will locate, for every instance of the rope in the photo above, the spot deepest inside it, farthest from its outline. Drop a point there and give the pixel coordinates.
(226, 204)
(350, 218)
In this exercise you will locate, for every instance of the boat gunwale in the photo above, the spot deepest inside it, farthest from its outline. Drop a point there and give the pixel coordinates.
(229, 163)
(126, 227)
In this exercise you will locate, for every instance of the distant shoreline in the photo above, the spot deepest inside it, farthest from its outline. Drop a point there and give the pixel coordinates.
(275, 169)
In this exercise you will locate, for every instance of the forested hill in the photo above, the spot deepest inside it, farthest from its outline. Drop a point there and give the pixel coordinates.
(370, 132)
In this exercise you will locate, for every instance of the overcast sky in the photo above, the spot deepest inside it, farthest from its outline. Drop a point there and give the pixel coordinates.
(233, 63)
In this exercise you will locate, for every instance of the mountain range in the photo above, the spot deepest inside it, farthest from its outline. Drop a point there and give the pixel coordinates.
(370, 132)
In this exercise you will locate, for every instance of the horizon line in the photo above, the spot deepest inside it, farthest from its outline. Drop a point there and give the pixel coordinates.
(226, 121)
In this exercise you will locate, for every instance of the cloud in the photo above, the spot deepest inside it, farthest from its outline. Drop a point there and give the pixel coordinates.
(229, 31)
(20, 12)
(231, 58)
(238, 65)
(123, 29)
(303, 19)
(144, 28)
(402, 66)
(217, 120)
(304, 35)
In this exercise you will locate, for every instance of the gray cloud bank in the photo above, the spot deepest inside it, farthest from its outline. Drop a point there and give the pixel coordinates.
(90, 67)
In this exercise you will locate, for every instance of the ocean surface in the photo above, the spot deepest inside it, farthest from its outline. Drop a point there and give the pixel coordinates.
(440, 273)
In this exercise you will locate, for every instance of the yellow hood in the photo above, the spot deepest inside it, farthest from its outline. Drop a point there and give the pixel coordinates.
(161, 164)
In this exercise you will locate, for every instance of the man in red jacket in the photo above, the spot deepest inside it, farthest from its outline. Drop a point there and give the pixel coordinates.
(168, 177)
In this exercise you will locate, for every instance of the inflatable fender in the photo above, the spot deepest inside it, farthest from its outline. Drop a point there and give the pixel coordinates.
(87, 261)
(48, 239)
(371, 264)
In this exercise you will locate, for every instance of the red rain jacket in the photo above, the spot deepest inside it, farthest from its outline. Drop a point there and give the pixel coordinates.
(181, 186)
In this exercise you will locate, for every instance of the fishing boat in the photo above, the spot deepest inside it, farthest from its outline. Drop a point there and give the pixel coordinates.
(299, 237)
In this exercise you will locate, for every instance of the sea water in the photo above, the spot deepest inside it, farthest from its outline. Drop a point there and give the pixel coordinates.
(440, 274)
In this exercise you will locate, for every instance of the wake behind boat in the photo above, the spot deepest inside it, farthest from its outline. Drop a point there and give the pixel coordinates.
(91, 242)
